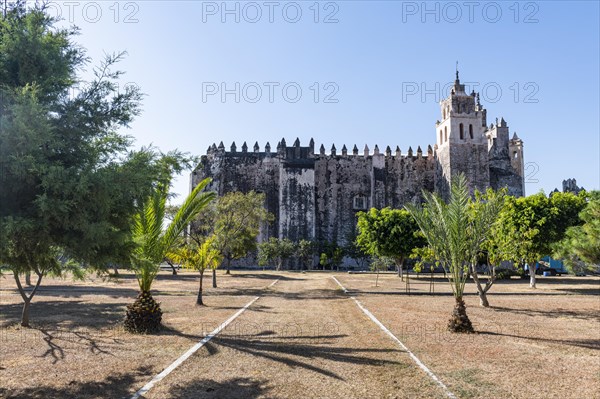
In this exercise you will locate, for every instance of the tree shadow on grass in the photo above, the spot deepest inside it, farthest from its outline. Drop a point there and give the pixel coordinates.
(66, 314)
(299, 355)
(591, 314)
(323, 294)
(77, 341)
(117, 385)
(581, 291)
(254, 308)
(234, 388)
(593, 344)
(260, 276)
(75, 291)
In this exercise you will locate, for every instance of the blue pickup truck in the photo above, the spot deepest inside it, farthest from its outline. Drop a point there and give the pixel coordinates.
(553, 267)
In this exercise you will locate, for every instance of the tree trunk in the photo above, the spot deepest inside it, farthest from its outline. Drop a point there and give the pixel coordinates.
(28, 279)
(214, 278)
(26, 298)
(115, 270)
(480, 290)
(199, 299)
(431, 283)
(459, 322)
(228, 264)
(25, 313)
(172, 267)
(399, 262)
(532, 276)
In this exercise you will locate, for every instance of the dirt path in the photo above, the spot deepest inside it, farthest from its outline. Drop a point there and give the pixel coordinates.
(302, 339)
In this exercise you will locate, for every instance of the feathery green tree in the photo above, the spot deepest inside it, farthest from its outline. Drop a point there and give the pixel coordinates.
(69, 184)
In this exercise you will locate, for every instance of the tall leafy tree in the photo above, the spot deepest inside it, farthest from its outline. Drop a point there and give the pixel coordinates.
(305, 250)
(455, 234)
(532, 225)
(267, 253)
(275, 250)
(389, 233)
(69, 182)
(237, 224)
(580, 249)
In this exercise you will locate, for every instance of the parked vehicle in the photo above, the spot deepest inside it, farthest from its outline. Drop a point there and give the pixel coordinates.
(541, 268)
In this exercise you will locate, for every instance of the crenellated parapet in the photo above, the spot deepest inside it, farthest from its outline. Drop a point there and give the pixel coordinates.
(298, 152)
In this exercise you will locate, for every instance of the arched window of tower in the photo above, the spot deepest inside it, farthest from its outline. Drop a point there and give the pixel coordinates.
(445, 133)
(462, 131)
(471, 131)
(441, 138)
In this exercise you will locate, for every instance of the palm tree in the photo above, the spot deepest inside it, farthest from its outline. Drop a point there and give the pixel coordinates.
(152, 243)
(200, 257)
(455, 232)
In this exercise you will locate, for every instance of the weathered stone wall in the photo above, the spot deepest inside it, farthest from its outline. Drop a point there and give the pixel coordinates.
(313, 196)
(243, 172)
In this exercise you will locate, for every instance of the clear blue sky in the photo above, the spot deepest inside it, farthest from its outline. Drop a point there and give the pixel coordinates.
(535, 63)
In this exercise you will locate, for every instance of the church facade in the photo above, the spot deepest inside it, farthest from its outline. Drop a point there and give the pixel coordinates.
(316, 195)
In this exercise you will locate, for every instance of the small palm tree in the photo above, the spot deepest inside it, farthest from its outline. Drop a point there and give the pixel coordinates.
(152, 243)
(455, 232)
(200, 257)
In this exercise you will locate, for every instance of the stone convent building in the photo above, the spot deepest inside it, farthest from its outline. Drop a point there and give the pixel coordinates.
(315, 195)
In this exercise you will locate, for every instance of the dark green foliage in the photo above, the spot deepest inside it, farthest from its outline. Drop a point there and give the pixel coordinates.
(275, 250)
(506, 274)
(305, 251)
(580, 248)
(331, 254)
(389, 233)
(530, 226)
(236, 223)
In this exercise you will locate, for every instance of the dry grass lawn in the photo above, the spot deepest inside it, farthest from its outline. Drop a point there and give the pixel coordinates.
(553, 332)
(77, 347)
(303, 338)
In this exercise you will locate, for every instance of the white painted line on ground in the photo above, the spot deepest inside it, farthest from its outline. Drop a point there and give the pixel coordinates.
(388, 332)
(272, 284)
(340, 284)
(190, 352)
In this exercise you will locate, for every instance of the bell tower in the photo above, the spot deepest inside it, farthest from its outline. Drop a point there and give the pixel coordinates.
(461, 141)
